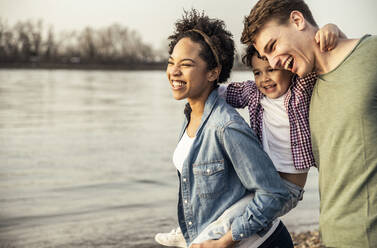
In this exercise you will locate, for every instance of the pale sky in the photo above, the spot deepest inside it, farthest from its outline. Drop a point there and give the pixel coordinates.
(154, 19)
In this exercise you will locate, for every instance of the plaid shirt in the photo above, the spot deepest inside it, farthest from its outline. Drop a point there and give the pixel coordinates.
(297, 101)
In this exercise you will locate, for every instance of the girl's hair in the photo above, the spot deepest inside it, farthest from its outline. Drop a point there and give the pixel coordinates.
(220, 38)
(250, 52)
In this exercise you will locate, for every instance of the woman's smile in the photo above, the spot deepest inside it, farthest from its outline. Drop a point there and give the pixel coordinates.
(178, 85)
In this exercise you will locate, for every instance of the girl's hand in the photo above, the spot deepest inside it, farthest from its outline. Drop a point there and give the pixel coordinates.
(207, 244)
(224, 242)
(212, 244)
(327, 37)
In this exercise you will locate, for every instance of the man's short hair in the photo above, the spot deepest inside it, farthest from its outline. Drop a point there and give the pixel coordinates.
(266, 10)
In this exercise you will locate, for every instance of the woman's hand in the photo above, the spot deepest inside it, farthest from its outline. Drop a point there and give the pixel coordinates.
(225, 242)
(327, 37)
(210, 244)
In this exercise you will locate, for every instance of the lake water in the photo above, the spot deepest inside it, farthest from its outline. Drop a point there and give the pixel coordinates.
(85, 159)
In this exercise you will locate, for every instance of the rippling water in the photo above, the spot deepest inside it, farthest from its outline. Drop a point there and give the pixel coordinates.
(85, 159)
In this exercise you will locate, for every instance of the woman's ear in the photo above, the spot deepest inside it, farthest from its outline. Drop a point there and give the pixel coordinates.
(214, 74)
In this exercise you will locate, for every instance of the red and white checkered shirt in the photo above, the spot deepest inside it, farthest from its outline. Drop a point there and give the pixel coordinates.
(297, 101)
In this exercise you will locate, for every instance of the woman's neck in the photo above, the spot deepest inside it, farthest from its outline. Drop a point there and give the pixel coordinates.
(197, 109)
(197, 104)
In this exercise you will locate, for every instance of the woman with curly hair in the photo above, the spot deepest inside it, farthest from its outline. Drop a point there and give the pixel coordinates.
(230, 193)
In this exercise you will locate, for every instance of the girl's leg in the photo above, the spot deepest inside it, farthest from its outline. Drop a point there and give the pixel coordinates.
(219, 227)
(255, 241)
(279, 239)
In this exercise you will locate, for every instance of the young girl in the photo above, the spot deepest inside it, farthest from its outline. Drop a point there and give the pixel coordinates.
(278, 103)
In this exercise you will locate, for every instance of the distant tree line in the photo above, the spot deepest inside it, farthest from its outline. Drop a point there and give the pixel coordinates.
(31, 43)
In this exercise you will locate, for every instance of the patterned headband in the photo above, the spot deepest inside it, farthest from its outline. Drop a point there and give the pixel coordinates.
(209, 43)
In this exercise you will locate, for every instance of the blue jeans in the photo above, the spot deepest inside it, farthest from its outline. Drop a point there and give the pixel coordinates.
(223, 224)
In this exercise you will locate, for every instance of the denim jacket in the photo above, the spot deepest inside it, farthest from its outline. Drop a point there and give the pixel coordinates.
(226, 162)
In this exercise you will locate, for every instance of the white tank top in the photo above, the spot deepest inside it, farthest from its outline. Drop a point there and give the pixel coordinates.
(276, 138)
(182, 150)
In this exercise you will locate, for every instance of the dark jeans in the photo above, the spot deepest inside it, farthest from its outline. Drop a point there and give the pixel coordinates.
(279, 239)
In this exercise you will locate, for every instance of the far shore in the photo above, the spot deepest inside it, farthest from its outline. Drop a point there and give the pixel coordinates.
(158, 66)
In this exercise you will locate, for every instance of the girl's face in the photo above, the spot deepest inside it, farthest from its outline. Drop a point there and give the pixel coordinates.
(273, 83)
(187, 72)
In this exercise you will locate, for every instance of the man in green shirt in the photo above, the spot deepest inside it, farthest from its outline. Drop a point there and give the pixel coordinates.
(343, 114)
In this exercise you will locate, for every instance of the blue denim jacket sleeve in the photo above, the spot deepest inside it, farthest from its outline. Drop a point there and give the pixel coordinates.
(258, 174)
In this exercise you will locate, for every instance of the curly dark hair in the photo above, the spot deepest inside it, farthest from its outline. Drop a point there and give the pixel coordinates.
(215, 29)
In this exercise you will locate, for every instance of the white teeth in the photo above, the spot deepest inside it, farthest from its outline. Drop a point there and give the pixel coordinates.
(269, 86)
(178, 84)
(287, 62)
